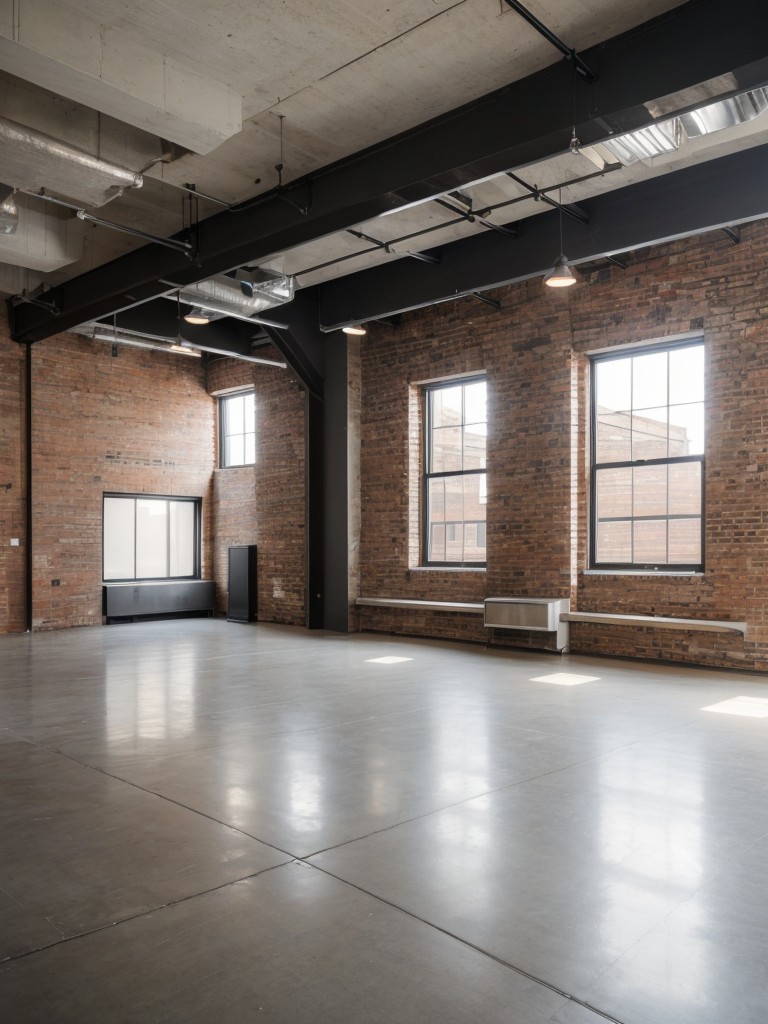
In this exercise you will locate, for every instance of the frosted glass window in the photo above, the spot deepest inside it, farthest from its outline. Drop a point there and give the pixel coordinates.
(119, 539)
(147, 537)
(181, 536)
(151, 538)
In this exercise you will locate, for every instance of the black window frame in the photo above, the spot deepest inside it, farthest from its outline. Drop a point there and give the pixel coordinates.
(428, 474)
(595, 467)
(197, 560)
(221, 401)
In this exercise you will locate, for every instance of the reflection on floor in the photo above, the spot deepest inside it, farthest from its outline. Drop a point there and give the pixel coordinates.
(204, 821)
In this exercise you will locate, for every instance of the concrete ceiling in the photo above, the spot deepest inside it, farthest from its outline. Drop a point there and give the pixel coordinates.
(220, 95)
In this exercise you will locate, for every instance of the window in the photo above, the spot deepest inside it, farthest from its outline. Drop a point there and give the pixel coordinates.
(455, 479)
(237, 430)
(648, 459)
(149, 538)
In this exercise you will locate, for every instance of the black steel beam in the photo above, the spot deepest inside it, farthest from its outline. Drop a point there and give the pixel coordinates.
(524, 122)
(705, 197)
(302, 345)
(314, 440)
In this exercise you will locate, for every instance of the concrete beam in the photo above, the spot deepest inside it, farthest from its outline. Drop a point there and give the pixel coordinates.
(110, 70)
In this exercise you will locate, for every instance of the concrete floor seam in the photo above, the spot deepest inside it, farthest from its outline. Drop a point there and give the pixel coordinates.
(144, 913)
(470, 945)
(336, 846)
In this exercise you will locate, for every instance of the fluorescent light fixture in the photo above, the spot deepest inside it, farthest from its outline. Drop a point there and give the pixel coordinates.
(103, 332)
(354, 329)
(134, 341)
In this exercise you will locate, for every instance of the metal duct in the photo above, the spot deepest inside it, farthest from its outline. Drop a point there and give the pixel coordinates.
(9, 214)
(244, 296)
(32, 161)
(44, 240)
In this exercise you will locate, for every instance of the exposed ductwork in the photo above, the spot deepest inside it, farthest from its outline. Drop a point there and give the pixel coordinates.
(9, 211)
(31, 160)
(243, 296)
(43, 239)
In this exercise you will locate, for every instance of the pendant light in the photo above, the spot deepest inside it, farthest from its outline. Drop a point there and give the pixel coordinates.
(561, 275)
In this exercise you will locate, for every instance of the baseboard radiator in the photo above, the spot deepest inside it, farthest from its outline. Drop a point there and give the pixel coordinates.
(122, 601)
(530, 615)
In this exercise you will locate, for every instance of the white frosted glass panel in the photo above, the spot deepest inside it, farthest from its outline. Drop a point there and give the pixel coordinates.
(686, 375)
(235, 450)
(119, 547)
(182, 538)
(613, 383)
(474, 403)
(151, 538)
(649, 381)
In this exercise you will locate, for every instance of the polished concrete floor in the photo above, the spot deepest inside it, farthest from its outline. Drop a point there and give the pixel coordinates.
(210, 822)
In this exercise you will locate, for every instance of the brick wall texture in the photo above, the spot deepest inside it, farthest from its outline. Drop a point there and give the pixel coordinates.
(140, 422)
(145, 422)
(265, 504)
(534, 352)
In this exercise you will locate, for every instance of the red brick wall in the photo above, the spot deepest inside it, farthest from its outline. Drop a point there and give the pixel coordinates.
(139, 422)
(265, 504)
(534, 351)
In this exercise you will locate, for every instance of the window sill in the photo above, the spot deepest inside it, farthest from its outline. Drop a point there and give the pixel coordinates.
(447, 568)
(640, 572)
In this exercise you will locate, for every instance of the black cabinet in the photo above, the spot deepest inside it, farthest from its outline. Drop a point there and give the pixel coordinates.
(241, 599)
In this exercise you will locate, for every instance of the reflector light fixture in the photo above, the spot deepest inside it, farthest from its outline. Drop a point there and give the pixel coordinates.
(354, 329)
(561, 275)
(197, 316)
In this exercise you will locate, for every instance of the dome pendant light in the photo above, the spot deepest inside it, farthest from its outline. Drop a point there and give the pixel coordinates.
(561, 275)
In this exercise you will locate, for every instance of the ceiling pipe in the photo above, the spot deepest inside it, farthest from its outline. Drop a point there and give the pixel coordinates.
(31, 160)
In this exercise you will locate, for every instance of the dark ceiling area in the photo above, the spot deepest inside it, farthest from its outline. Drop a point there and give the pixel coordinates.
(520, 137)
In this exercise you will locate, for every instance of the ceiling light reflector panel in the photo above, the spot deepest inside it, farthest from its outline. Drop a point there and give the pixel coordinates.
(728, 113)
(646, 143)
